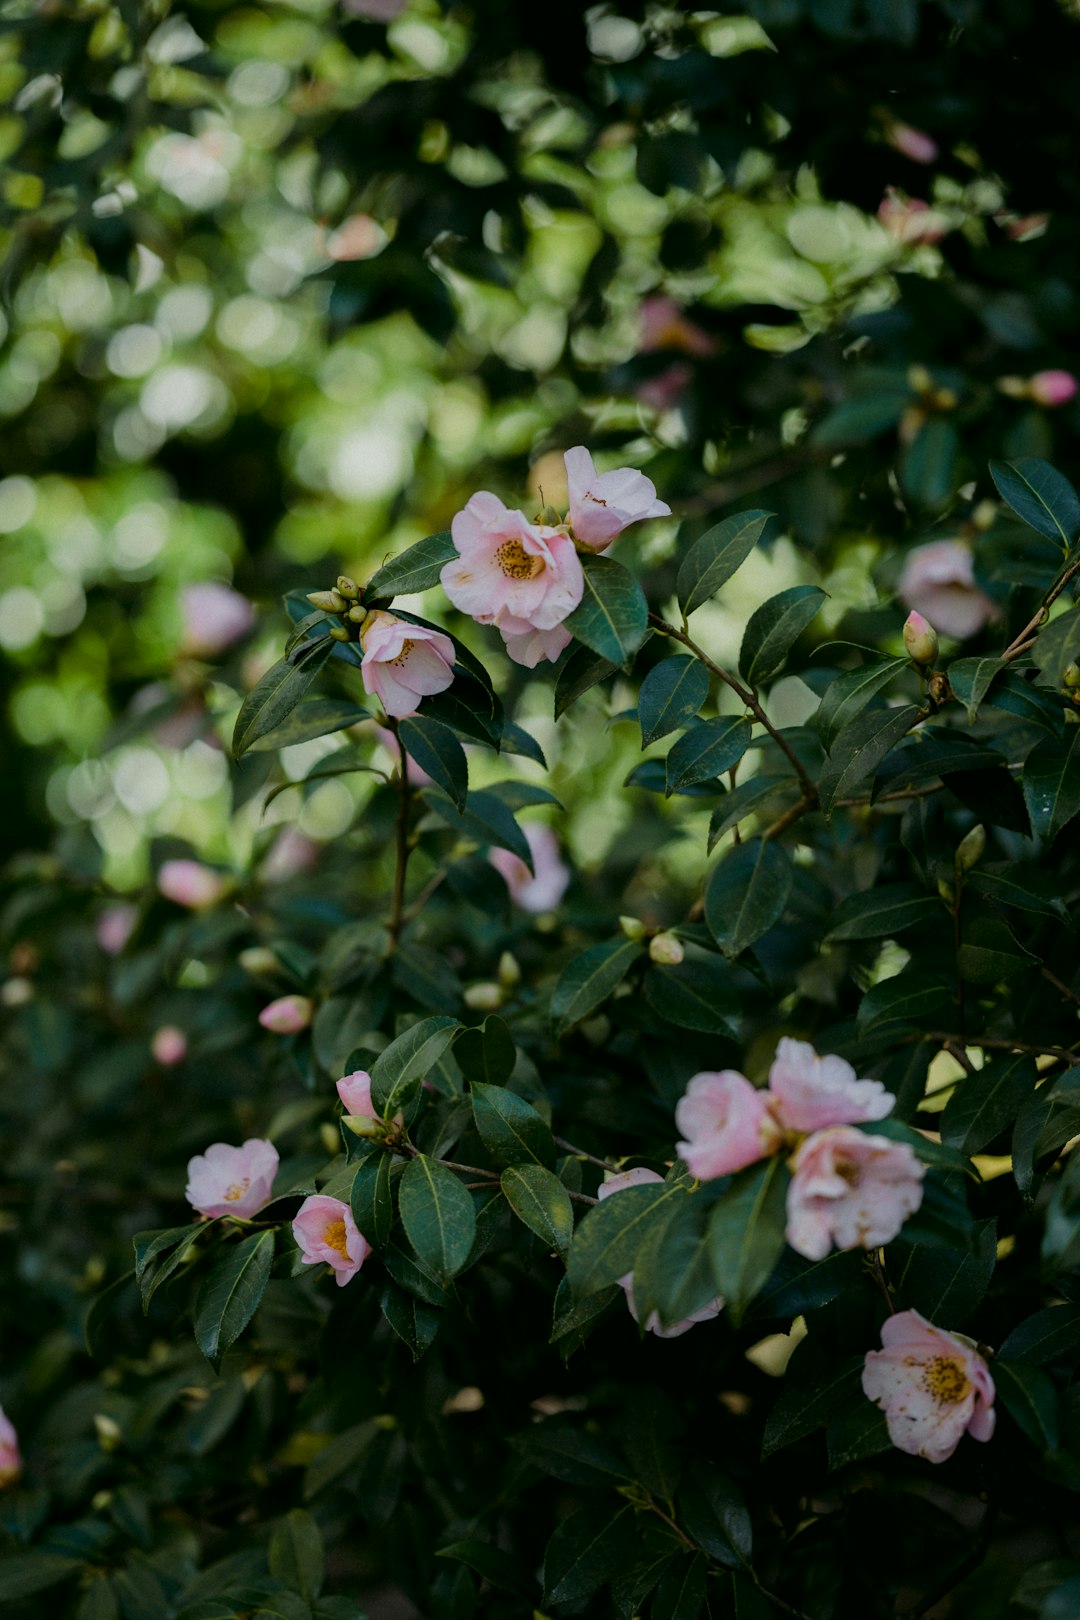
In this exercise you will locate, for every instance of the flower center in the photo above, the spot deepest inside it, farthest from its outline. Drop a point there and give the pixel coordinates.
(335, 1237)
(848, 1171)
(236, 1190)
(516, 562)
(945, 1381)
(403, 656)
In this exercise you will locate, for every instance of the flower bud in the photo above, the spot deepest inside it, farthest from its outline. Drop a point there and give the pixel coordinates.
(288, 1015)
(509, 970)
(108, 1431)
(970, 849)
(485, 996)
(169, 1046)
(920, 639)
(632, 927)
(16, 992)
(328, 601)
(1071, 676)
(667, 949)
(983, 516)
(259, 959)
(1012, 387)
(1052, 387)
(347, 587)
(363, 1125)
(919, 381)
(946, 891)
(357, 614)
(338, 632)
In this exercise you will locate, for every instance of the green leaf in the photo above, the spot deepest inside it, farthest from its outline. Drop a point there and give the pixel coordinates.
(886, 910)
(486, 1053)
(101, 1313)
(907, 998)
(277, 694)
(414, 1323)
(746, 1232)
(438, 1215)
(707, 750)
(401, 1066)
(741, 801)
(714, 557)
(671, 695)
(556, 1447)
(539, 1198)
(415, 569)
(1040, 496)
(985, 1104)
(936, 1154)
(855, 1433)
(582, 670)
(1051, 1335)
(1052, 782)
(23, 1574)
(296, 1554)
(1061, 1235)
(1029, 1396)
(492, 1565)
(859, 749)
(746, 892)
(797, 1285)
(308, 720)
(804, 1407)
(572, 1320)
(989, 951)
(586, 1550)
(152, 1245)
(928, 464)
(606, 1243)
(847, 696)
(681, 1593)
(612, 616)
(230, 1294)
(1057, 646)
(1022, 886)
(510, 1128)
(437, 751)
(971, 679)
(589, 979)
(649, 1435)
(714, 1513)
(371, 1201)
(343, 1453)
(698, 993)
(773, 629)
(427, 977)
(485, 819)
(672, 1271)
(944, 1284)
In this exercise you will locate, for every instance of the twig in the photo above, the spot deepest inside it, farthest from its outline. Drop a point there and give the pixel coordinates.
(1070, 995)
(580, 1153)
(1026, 639)
(878, 1271)
(488, 1178)
(949, 1038)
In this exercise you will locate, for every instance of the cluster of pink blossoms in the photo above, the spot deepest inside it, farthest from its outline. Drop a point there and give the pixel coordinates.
(848, 1189)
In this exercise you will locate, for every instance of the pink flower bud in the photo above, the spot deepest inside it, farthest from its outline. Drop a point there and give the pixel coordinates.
(727, 1123)
(10, 1457)
(920, 638)
(326, 1234)
(602, 505)
(288, 1015)
(232, 1180)
(939, 581)
(115, 927)
(404, 662)
(169, 1046)
(850, 1190)
(811, 1092)
(667, 949)
(1052, 387)
(931, 1385)
(543, 888)
(214, 617)
(355, 1093)
(914, 143)
(189, 883)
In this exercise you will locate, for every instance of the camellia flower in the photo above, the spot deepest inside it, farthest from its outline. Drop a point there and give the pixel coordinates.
(509, 570)
(914, 143)
(727, 1122)
(327, 1235)
(355, 1093)
(931, 1385)
(528, 646)
(938, 580)
(169, 1046)
(191, 884)
(850, 1190)
(602, 505)
(910, 219)
(10, 1456)
(288, 1015)
(232, 1180)
(640, 1177)
(1052, 387)
(115, 927)
(404, 662)
(544, 890)
(812, 1092)
(215, 616)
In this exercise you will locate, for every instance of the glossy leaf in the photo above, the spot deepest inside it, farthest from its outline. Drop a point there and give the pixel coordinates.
(510, 1128)
(437, 1214)
(847, 695)
(437, 751)
(671, 695)
(1029, 1397)
(277, 694)
(606, 1242)
(485, 819)
(315, 718)
(371, 1200)
(417, 568)
(773, 629)
(1040, 496)
(486, 1052)
(859, 749)
(539, 1199)
(589, 979)
(414, 1323)
(1052, 783)
(230, 1294)
(746, 1232)
(613, 616)
(985, 1104)
(1051, 1335)
(886, 910)
(586, 1550)
(716, 555)
(401, 1066)
(971, 679)
(296, 1555)
(745, 894)
(582, 670)
(804, 1407)
(709, 748)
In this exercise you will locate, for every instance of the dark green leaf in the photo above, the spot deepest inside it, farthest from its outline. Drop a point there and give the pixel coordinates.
(371, 1201)
(773, 629)
(151, 1246)
(1061, 1236)
(613, 616)
(516, 740)
(971, 679)
(606, 1243)
(936, 1154)
(908, 997)
(797, 1285)
(23, 1574)
(296, 1554)
(707, 750)
(1057, 646)
(308, 720)
(344, 1452)
(803, 1407)
(944, 1285)
(1029, 1396)
(716, 555)
(681, 1592)
(1052, 782)
(859, 749)
(989, 951)
(886, 910)
(230, 1294)
(741, 801)
(714, 1513)
(510, 1128)
(101, 1313)
(847, 696)
(1051, 1335)
(671, 695)
(1040, 496)
(649, 1434)
(698, 993)
(573, 1319)
(417, 568)
(559, 1449)
(404, 1063)
(485, 819)
(414, 1323)
(986, 1103)
(1024, 887)
(746, 892)
(928, 464)
(586, 1550)
(746, 1232)
(438, 1215)
(437, 751)
(582, 670)
(492, 1565)
(277, 694)
(486, 1053)
(856, 1432)
(539, 1198)
(589, 979)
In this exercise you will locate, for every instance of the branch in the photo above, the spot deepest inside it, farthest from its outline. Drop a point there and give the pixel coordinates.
(488, 1178)
(1026, 639)
(949, 1039)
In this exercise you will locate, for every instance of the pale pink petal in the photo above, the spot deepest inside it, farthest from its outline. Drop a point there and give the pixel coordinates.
(288, 1015)
(542, 889)
(938, 580)
(603, 504)
(850, 1190)
(355, 1093)
(727, 1124)
(327, 1234)
(931, 1385)
(189, 883)
(813, 1092)
(529, 646)
(214, 617)
(232, 1180)
(10, 1457)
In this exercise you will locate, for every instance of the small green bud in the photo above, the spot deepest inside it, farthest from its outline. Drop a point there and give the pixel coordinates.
(327, 601)
(358, 613)
(363, 1125)
(632, 927)
(946, 891)
(348, 587)
(666, 949)
(485, 996)
(509, 970)
(970, 849)
(338, 632)
(259, 959)
(1071, 677)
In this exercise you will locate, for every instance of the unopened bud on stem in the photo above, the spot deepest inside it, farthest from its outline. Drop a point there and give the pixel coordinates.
(666, 949)
(632, 927)
(920, 639)
(348, 587)
(328, 601)
(1071, 676)
(970, 849)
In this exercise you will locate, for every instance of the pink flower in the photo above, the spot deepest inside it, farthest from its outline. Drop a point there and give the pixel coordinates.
(914, 143)
(509, 567)
(850, 1190)
(665, 326)
(214, 617)
(288, 1015)
(1052, 387)
(543, 891)
(10, 1456)
(404, 662)
(727, 1122)
(115, 927)
(931, 1385)
(910, 219)
(602, 505)
(527, 645)
(327, 1234)
(232, 1180)
(640, 1177)
(169, 1046)
(355, 1093)
(812, 1092)
(939, 580)
(191, 884)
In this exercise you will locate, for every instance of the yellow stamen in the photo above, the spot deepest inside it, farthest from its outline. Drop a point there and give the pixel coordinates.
(516, 562)
(402, 658)
(945, 1381)
(335, 1237)
(237, 1190)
